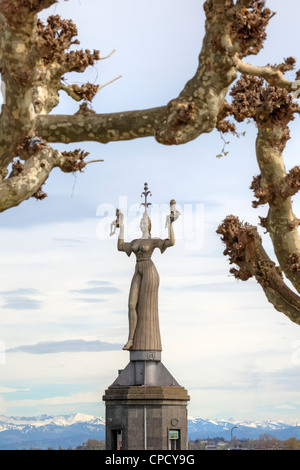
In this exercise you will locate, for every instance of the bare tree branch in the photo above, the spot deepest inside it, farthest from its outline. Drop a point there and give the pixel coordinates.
(16, 11)
(26, 181)
(272, 109)
(273, 75)
(245, 250)
(104, 128)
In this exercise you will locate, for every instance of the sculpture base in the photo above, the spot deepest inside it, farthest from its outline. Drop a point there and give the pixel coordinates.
(145, 368)
(146, 409)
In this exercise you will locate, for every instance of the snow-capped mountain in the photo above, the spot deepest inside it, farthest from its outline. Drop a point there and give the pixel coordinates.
(44, 432)
(44, 420)
(203, 428)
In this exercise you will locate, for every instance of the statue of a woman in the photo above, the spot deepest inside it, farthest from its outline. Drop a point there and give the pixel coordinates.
(144, 331)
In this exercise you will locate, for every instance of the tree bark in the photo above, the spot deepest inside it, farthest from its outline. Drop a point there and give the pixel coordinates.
(34, 57)
(245, 250)
(101, 128)
(281, 223)
(272, 108)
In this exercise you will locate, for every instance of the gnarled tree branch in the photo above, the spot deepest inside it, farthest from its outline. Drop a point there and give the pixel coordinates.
(232, 32)
(272, 109)
(274, 75)
(245, 250)
(104, 128)
(26, 179)
(36, 55)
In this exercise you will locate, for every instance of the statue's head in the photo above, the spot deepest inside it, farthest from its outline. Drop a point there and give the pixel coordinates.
(145, 226)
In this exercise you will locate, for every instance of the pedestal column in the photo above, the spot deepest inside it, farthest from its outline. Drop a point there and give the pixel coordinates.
(146, 409)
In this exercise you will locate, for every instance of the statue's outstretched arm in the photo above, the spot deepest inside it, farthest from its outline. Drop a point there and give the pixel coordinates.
(122, 245)
(120, 224)
(174, 214)
(170, 241)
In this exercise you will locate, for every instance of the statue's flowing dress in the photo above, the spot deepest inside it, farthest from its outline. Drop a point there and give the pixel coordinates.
(147, 333)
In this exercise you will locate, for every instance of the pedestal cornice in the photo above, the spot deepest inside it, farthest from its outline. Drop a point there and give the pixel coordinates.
(145, 394)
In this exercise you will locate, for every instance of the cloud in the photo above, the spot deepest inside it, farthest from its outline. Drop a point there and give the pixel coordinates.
(97, 290)
(13, 390)
(21, 291)
(99, 283)
(74, 398)
(18, 299)
(285, 407)
(68, 242)
(54, 209)
(22, 304)
(213, 287)
(73, 345)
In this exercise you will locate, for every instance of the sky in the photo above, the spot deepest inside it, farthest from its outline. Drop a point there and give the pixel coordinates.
(64, 286)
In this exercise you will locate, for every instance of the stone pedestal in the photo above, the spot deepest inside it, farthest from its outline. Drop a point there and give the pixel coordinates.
(146, 409)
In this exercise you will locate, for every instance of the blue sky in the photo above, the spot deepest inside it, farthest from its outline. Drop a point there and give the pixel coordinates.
(64, 285)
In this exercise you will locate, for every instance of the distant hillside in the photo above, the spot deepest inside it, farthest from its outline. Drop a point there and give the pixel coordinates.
(44, 432)
(203, 428)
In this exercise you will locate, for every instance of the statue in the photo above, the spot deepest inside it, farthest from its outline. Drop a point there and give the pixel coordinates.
(144, 333)
(145, 403)
(115, 224)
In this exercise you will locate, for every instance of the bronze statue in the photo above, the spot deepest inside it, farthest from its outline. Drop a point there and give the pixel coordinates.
(144, 333)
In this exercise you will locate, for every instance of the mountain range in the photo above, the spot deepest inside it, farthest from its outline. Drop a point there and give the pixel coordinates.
(44, 432)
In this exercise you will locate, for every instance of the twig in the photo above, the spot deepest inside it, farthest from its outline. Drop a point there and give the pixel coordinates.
(107, 56)
(111, 81)
(70, 92)
(93, 161)
(271, 75)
